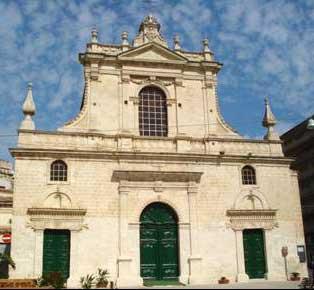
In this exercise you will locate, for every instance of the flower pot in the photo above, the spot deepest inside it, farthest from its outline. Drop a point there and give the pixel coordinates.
(102, 284)
(223, 281)
(295, 278)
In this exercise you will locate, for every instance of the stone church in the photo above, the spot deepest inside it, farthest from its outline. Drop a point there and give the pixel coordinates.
(148, 180)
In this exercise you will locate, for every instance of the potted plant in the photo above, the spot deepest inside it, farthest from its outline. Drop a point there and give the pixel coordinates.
(87, 281)
(102, 278)
(52, 279)
(223, 280)
(295, 276)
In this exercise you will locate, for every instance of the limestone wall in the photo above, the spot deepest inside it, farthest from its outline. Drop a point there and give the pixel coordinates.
(96, 244)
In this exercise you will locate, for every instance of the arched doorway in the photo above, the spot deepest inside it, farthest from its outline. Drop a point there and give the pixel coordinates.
(159, 243)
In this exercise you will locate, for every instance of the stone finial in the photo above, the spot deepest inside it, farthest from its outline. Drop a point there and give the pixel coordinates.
(149, 31)
(269, 121)
(29, 110)
(176, 41)
(208, 55)
(125, 41)
(94, 38)
(206, 45)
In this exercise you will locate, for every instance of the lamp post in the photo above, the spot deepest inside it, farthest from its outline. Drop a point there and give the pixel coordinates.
(310, 124)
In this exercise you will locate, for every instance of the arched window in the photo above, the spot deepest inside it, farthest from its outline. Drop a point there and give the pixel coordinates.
(153, 117)
(248, 175)
(58, 171)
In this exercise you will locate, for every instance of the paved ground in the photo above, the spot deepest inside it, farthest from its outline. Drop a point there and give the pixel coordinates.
(249, 285)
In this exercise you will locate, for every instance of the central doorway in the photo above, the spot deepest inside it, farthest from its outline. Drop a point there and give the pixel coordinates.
(159, 243)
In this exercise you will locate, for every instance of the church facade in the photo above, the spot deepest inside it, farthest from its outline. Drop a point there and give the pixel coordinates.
(149, 181)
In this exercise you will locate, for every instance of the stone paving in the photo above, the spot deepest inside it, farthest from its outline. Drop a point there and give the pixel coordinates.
(249, 285)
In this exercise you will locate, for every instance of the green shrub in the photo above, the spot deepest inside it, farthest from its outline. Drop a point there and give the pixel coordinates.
(87, 281)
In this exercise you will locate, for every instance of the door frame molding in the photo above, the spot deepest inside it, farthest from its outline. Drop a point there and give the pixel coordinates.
(158, 189)
(241, 219)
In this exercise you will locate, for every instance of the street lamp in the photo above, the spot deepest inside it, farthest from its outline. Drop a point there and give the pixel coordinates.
(310, 124)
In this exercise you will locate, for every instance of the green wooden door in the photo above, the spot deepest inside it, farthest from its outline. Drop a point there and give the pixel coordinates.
(56, 254)
(254, 253)
(159, 243)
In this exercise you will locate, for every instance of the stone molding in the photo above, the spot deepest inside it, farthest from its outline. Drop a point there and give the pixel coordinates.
(21, 153)
(97, 145)
(56, 218)
(254, 193)
(158, 178)
(252, 219)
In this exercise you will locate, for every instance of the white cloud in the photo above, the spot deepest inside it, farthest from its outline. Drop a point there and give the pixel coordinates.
(266, 47)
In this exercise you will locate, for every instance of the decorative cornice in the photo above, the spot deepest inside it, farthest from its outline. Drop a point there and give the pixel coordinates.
(56, 212)
(251, 219)
(251, 212)
(135, 155)
(56, 218)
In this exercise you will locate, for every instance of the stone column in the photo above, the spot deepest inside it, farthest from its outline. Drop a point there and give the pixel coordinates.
(128, 274)
(38, 252)
(195, 260)
(241, 275)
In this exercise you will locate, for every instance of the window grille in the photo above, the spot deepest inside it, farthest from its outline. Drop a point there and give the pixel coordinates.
(248, 175)
(58, 171)
(153, 117)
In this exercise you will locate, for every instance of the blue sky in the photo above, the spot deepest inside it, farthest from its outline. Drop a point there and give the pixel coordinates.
(266, 48)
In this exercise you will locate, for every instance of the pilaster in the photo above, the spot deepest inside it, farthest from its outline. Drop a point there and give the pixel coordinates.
(38, 252)
(241, 275)
(74, 279)
(127, 270)
(195, 260)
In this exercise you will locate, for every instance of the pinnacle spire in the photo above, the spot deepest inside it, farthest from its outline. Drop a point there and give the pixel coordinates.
(269, 121)
(125, 41)
(176, 41)
(208, 55)
(29, 109)
(94, 35)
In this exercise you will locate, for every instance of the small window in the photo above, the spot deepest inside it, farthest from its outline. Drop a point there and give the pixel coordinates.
(58, 171)
(248, 175)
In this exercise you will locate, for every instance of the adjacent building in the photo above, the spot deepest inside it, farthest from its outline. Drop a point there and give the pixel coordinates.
(298, 143)
(6, 202)
(148, 180)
